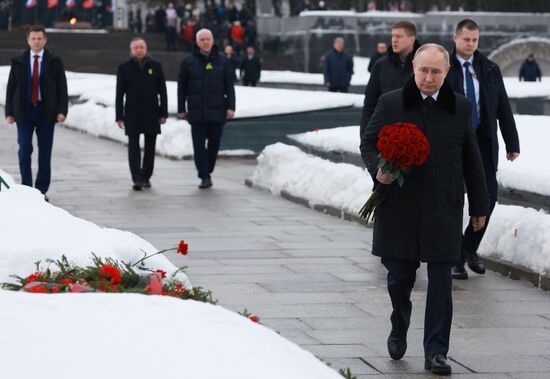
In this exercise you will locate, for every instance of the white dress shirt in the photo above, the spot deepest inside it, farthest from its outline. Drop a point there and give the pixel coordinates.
(474, 77)
(434, 96)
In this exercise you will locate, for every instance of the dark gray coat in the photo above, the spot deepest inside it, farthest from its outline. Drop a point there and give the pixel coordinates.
(53, 86)
(146, 99)
(494, 103)
(423, 219)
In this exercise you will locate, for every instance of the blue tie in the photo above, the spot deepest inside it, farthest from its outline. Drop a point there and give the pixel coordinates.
(471, 94)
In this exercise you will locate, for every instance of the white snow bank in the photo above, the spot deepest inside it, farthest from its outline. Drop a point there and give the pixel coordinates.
(34, 230)
(527, 173)
(92, 336)
(282, 167)
(516, 234)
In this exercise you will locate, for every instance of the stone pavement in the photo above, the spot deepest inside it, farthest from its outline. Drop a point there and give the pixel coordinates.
(307, 275)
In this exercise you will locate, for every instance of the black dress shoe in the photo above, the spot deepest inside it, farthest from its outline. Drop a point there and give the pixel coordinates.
(476, 264)
(146, 184)
(397, 347)
(137, 186)
(205, 183)
(438, 364)
(46, 198)
(459, 272)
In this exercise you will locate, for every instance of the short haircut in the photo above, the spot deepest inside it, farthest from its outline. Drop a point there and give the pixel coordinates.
(36, 29)
(435, 46)
(408, 26)
(338, 39)
(202, 31)
(137, 39)
(466, 24)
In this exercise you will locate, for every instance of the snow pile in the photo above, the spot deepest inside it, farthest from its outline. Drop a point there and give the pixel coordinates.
(528, 173)
(34, 230)
(516, 234)
(92, 336)
(282, 167)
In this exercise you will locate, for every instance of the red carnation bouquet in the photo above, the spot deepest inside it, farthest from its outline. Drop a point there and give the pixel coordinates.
(402, 145)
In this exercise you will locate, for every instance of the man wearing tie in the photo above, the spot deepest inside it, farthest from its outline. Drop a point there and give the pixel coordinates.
(36, 98)
(480, 80)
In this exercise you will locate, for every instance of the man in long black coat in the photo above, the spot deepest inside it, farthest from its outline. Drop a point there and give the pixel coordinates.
(251, 67)
(36, 98)
(392, 71)
(206, 98)
(422, 221)
(490, 100)
(145, 108)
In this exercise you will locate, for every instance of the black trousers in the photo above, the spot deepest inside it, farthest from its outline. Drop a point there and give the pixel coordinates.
(338, 89)
(439, 303)
(141, 170)
(251, 83)
(472, 240)
(206, 144)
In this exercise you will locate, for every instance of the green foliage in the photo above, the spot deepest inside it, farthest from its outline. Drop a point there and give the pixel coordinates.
(346, 373)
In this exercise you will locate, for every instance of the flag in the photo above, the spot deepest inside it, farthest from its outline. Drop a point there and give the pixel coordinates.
(70, 3)
(52, 4)
(87, 4)
(31, 4)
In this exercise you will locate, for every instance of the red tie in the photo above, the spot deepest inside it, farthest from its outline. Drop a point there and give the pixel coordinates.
(34, 94)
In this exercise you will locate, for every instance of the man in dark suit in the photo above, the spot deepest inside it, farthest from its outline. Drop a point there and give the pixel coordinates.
(422, 220)
(479, 79)
(141, 80)
(251, 67)
(36, 98)
(392, 71)
(206, 98)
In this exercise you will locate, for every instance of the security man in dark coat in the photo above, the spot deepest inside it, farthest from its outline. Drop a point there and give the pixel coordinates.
(145, 108)
(381, 51)
(530, 70)
(392, 71)
(337, 67)
(206, 98)
(479, 79)
(422, 220)
(36, 98)
(251, 67)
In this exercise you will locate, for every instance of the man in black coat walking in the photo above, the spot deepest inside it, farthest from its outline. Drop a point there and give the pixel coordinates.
(337, 67)
(530, 70)
(480, 80)
(422, 220)
(139, 87)
(36, 98)
(251, 67)
(392, 71)
(206, 98)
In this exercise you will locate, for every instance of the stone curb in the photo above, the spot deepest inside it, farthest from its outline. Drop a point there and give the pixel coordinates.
(505, 268)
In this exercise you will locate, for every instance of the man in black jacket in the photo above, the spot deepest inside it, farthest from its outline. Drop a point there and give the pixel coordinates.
(141, 81)
(206, 98)
(479, 79)
(530, 70)
(251, 67)
(36, 98)
(421, 221)
(337, 67)
(381, 51)
(392, 71)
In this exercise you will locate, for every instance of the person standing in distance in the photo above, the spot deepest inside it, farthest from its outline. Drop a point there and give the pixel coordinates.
(480, 80)
(206, 99)
(250, 68)
(392, 71)
(338, 67)
(141, 107)
(36, 98)
(381, 51)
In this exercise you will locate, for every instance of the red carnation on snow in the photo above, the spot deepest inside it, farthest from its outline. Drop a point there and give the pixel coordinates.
(111, 273)
(37, 276)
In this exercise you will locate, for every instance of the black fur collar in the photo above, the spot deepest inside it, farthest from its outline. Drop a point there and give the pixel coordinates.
(446, 99)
